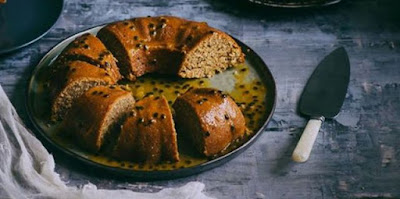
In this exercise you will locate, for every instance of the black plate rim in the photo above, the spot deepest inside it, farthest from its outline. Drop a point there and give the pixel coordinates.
(8, 50)
(150, 175)
(293, 5)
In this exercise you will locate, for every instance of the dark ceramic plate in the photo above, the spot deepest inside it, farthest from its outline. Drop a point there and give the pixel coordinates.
(295, 3)
(22, 22)
(256, 71)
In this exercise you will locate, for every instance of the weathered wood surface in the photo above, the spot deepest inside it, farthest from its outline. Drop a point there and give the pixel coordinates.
(356, 155)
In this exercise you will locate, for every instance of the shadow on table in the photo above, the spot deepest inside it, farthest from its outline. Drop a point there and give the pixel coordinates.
(285, 164)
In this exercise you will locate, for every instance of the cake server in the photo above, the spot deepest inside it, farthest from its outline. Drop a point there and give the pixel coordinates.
(322, 98)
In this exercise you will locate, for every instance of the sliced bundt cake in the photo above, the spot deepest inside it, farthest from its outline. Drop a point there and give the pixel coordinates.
(148, 134)
(89, 48)
(96, 113)
(209, 118)
(169, 45)
(71, 80)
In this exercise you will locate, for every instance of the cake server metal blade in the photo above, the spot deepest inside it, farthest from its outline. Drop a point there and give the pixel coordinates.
(326, 89)
(322, 98)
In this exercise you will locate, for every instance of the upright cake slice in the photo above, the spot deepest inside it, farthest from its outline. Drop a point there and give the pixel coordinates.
(210, 119)
(97, 113)
(148, 134)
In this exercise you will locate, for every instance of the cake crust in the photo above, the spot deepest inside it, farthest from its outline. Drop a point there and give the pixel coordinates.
(89, 48)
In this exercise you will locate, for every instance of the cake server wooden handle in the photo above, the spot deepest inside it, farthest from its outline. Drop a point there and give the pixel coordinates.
(306, 142)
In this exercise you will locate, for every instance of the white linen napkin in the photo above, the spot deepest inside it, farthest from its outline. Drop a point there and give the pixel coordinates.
(27, 169)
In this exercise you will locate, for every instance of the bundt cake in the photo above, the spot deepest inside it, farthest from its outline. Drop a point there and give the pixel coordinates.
(71, 80)
(209, 118)
(104, 117)
(148, 134)
(89, 48)
(97, 113)
(169, 45)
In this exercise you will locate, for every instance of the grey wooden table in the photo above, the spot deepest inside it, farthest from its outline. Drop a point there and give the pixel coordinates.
(356, 155)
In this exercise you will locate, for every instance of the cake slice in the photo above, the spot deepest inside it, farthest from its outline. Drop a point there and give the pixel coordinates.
(70, 81)
(148, 134)
(210, 119)
(97, 114)
(89, 48)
